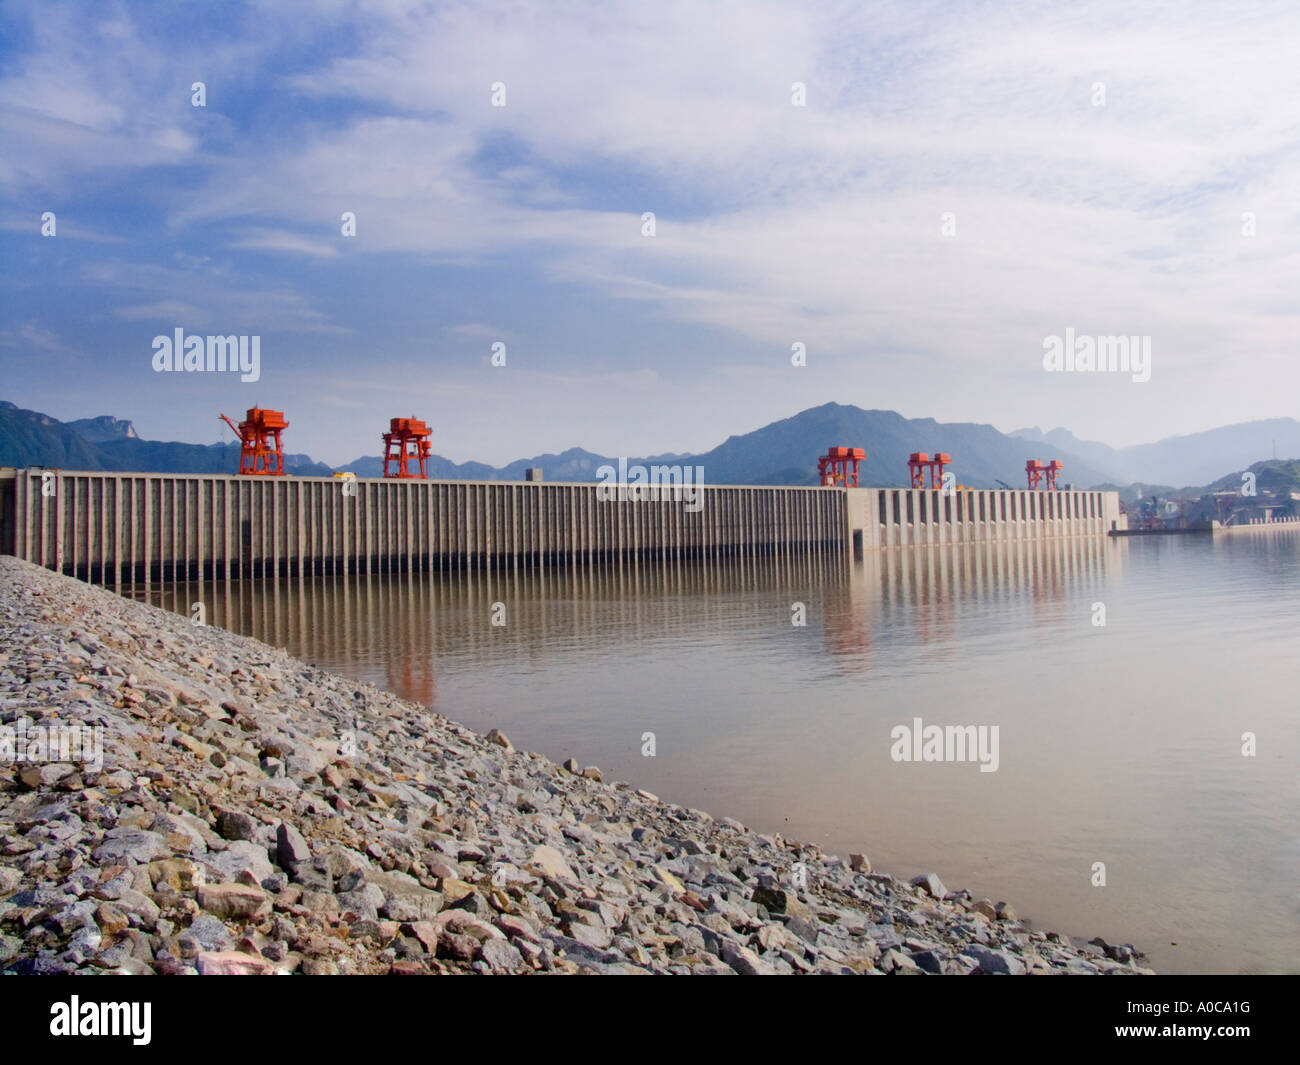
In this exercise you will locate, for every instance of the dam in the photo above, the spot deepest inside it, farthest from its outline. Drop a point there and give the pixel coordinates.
(128, 528)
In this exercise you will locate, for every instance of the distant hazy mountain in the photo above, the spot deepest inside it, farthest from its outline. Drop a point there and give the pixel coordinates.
(1276, 476)
(174, 457)
(1103, 456)
(102, 429)
(572, 465)
(1189, 460)
(1201, 457)
(30, 438)
(786, 452)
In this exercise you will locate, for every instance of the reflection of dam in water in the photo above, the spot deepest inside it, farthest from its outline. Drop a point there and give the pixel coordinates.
(117, 528)
(405, 621)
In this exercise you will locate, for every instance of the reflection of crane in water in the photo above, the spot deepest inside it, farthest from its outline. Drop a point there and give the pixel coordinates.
(845, 628)
(419, 685)
(406, 640)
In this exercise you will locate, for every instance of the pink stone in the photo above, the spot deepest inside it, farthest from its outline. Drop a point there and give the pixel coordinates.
(230, 963)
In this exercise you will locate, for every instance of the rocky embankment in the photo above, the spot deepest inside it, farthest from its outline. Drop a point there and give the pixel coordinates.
(253, 814)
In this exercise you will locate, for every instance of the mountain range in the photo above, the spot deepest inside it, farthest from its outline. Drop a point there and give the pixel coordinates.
(784, 452)
(30, 438)
(1181, 460)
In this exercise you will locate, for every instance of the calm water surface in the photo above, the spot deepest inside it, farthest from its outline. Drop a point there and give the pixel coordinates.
(1118, 744)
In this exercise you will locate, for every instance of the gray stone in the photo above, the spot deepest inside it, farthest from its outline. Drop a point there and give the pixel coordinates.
(403, 899)
(40, 896)
(9, 948)
(185, 825)
(994, 962)
(591, 935)
(897, 963)
(803, 928)
(235, 824)
(143, 911)
(290, 847)
(501, 956)
(574, 950)
(131, 844)
(364, 903)
(773, 899)
(76, 916)
(205, 933)
(445, 868)
(239, 856)
(457, 946)
(931, 884)
(745, 961)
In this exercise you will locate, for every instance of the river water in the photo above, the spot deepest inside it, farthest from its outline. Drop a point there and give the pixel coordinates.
(1118, 743)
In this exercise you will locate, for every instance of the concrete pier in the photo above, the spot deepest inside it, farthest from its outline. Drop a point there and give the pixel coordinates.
(127, 528)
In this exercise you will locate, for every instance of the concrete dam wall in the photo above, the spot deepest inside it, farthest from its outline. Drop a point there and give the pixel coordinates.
(911, 517)
(126, 528)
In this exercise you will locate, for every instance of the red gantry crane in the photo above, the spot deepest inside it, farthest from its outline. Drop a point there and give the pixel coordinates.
(1036, 471)
(920, 461)
(1051, 470)
(261, 451)
(833, 468)
(407, 439)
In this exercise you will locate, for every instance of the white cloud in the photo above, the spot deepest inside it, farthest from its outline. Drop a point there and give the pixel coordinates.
(284, 241)
(185, 314)
(39, 337)
(479, 329)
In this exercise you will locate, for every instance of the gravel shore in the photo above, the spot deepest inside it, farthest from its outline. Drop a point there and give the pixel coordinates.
(254, 814)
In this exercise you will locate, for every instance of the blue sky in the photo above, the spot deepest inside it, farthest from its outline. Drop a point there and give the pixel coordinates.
(775, 224)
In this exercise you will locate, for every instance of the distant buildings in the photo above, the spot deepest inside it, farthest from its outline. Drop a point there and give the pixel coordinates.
(1226, 508)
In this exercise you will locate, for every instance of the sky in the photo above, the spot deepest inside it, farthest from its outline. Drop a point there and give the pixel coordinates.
(919, 194)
